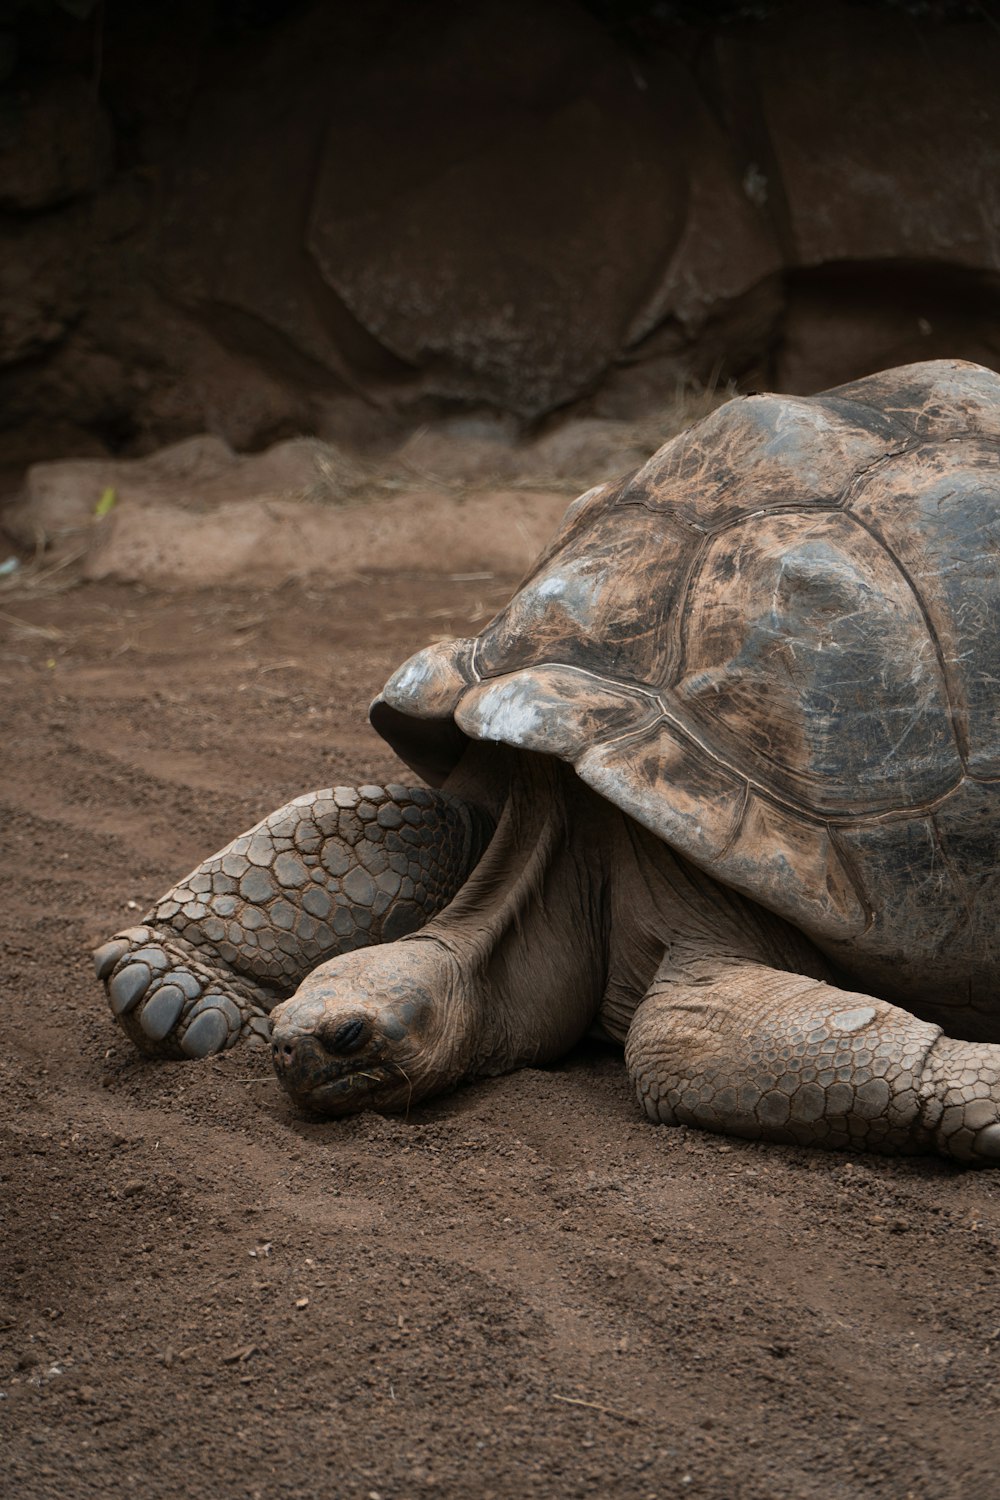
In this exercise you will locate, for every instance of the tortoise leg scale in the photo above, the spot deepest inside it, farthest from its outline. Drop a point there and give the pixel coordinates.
(332, 871)
(762, 1053)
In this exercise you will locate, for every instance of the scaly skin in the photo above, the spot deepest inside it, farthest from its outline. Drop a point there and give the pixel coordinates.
(724, 1025)
(333, 871)
(756, 1052)
(728, 1021)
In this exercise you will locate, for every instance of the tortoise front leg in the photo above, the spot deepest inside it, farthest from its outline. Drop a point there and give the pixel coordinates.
(763, 1053)
(332, 871)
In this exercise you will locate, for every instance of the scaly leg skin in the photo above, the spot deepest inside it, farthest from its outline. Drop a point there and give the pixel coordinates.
(332, 871)
(766, 1054)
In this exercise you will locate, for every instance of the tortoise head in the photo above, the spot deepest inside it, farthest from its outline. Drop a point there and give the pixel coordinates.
(372, 1029)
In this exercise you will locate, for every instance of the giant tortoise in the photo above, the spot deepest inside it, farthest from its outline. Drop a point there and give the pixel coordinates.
(721, 782)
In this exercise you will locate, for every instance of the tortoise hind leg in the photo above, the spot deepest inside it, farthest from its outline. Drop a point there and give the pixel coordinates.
(334, 870)
(764, 1053)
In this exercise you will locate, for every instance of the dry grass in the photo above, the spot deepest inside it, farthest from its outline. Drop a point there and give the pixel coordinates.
(39, 579)
(343, 478)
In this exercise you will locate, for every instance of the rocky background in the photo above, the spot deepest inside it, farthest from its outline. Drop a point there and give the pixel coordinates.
(312, 318)
(261, 220)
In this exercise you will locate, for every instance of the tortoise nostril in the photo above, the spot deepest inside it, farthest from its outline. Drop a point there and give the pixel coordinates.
(348, 1036)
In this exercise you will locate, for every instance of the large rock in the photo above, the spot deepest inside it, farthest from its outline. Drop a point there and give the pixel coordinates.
(498, 192)
(873, 143)
(723, 268)
(884, 135)
(238, 192)
(876, 315)
(349, 218)
(421, 207)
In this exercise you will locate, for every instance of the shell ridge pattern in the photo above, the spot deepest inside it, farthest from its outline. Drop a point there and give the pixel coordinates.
(740, 824)
(796, 633)
(639, 502)
(954, 719)
(680, 618)
(474, 667)
(858, 481)
(682, 726)
(619, 685)
(849, 865)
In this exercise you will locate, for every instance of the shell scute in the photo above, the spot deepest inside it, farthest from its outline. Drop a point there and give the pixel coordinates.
(431, 682)
(938, 399)
(667, 783)
(554, 709)
(795, 868)
(601, 607)
(947, 538)
(808, 664)
(757, 452)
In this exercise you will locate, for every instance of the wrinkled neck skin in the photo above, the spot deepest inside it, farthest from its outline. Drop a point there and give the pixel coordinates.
(528, 932)
(572, 911)
(559, 930)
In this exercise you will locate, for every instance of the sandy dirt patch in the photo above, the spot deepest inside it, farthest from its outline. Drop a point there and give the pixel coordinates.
(523, 1289)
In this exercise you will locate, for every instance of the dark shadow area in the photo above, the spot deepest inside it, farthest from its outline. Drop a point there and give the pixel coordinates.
(900, 313)
(260, 219)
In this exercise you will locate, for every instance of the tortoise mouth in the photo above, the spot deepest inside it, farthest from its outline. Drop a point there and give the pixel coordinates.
(329, 1085)
(325, 1083)
(346, 1093)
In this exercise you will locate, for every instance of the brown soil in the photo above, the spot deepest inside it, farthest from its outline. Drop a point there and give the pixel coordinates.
(521, 1290)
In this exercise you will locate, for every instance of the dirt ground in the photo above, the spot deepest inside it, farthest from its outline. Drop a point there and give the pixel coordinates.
(523, 1289)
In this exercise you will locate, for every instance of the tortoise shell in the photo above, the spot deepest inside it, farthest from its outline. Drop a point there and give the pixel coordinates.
(776, 646)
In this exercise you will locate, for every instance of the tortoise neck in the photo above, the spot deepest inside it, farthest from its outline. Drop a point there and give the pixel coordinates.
(528, 931)
(485, 775)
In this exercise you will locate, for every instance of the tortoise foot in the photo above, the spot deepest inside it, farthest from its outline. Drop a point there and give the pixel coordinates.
(173, 1000)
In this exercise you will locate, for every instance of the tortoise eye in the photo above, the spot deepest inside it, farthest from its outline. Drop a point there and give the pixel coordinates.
(349, 1035)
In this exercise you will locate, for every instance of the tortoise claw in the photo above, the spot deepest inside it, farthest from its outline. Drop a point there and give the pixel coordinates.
(209, 1030)
(108, 955)
(162, 1011)
(128, 986)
